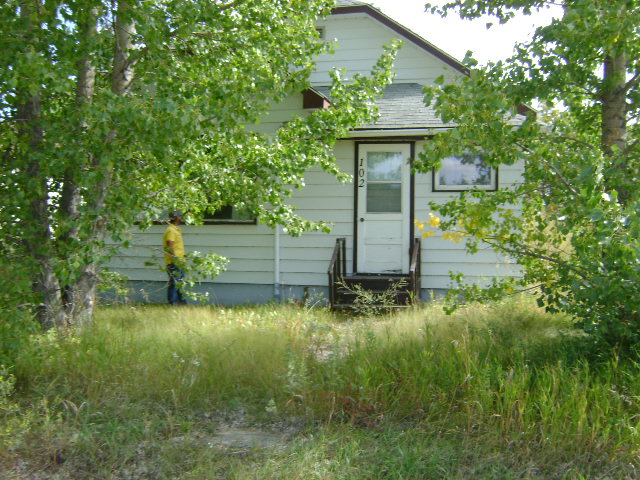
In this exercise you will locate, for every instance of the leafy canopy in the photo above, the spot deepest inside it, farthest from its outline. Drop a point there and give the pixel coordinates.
(572, 224)
(113, 112)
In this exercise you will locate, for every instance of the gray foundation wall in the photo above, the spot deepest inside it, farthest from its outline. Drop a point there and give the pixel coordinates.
(232, 294)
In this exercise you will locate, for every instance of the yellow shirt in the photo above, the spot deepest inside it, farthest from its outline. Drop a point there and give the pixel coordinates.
(173, 234)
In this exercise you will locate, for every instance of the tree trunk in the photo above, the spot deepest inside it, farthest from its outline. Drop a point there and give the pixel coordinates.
(614, 125)
(122, 76)
(44, 282)
(85, 88)
(614, 105)
(81, 295)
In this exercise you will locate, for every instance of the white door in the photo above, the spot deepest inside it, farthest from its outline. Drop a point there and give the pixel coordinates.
(383, 223)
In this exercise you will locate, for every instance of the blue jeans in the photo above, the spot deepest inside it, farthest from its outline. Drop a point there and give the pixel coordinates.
(174, 295)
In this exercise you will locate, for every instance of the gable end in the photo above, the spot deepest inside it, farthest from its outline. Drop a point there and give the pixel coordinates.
(404, 32)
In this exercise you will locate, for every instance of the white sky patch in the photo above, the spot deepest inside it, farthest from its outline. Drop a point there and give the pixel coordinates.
(456, 36)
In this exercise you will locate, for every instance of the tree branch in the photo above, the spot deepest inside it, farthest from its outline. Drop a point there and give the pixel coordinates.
(539, 256)
(633, 82)
(560, 176)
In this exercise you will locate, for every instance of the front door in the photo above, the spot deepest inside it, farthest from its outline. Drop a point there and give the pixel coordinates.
(383, 208)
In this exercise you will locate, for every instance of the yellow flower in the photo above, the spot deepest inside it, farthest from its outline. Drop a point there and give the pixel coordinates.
(454, 236)
(428, 234)
(434, 221)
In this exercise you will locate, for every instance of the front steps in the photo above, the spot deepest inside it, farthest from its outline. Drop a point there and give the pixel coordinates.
(375, 292)
(371, 292)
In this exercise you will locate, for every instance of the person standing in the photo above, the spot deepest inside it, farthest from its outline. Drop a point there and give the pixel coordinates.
(174, 258)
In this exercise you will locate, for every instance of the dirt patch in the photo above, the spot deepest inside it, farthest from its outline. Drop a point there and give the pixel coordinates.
(247, 438)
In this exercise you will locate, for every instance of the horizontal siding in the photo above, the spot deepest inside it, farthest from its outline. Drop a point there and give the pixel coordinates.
(306, 259)
(250, 249)
(240, 252)
(313, 241)
(327, 190)
(209, 236)
(446, 254)
(473, 271)
(323, 202)
(359, 45)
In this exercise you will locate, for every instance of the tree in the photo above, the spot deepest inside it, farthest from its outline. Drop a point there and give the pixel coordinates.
(576, 236)
(111, 111)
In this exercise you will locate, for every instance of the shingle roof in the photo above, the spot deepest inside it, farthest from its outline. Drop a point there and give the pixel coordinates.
(401, 108)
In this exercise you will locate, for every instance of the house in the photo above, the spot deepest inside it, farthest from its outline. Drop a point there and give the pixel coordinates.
(373, 236)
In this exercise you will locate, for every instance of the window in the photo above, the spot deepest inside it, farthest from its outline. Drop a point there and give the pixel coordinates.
(228, 214)
(384, 182)
(465, 172)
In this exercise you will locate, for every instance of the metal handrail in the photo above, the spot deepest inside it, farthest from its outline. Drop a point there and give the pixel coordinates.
(414, 269)
(337, 267)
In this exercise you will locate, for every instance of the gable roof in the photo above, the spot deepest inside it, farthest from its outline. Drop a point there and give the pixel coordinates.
(401, 107)
(353, 6)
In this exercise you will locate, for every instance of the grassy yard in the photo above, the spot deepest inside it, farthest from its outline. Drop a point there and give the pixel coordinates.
(284, 392)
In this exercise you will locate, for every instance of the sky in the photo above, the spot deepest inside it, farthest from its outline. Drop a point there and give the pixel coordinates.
(456, 36)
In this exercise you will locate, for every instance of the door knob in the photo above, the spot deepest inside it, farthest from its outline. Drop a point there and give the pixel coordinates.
(361, 219)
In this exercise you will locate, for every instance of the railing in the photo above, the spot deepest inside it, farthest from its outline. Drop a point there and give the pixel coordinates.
(414, 270)
(337, 268)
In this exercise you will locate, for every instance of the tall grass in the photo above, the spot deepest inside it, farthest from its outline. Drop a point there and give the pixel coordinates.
(505, 377)
(190, 357)
(510, 370)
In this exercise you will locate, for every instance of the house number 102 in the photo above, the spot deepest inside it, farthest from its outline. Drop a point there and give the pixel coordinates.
(361, 173)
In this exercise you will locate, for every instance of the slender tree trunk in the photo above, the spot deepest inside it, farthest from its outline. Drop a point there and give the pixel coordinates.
(44, 282)
(82, 294)
(122, 76)
(85, 88)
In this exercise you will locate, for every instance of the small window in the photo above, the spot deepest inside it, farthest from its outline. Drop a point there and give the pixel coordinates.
(465, 172)
(228, 214)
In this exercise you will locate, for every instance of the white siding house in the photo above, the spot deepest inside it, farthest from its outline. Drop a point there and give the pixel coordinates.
(375, 214)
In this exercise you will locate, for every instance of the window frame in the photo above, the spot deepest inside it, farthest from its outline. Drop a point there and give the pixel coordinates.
(208, 219)
(492, 186)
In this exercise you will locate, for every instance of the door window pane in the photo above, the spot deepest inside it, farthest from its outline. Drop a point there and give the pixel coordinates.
(384, 166)
(384, 197)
